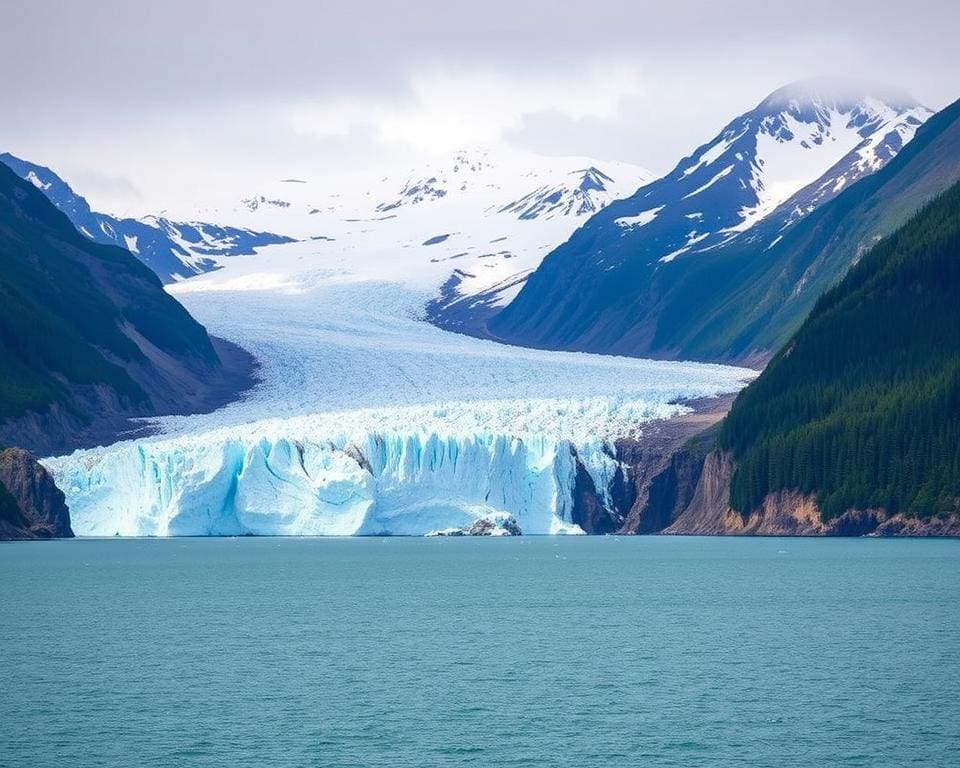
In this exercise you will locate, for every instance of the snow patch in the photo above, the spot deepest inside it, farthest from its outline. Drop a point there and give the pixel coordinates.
(641, 219)
(726, 171)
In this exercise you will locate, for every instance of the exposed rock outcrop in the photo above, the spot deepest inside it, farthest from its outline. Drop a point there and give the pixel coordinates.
(665, 482)
(31, 505)
(494, 524)
(589, 510)
(659, 473)
(707, 511)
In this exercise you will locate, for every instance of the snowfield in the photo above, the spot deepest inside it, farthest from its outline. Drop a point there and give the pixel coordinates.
(368, 420)
(474, 222)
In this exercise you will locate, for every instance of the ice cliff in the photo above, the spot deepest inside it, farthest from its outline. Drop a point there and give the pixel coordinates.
(402, 484)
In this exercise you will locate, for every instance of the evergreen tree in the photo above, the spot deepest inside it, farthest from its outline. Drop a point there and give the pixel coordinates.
(862, 406)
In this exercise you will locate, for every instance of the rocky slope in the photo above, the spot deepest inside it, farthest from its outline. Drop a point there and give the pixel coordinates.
(783, 513)
(31, 505)
(88, 336)
(684, 489)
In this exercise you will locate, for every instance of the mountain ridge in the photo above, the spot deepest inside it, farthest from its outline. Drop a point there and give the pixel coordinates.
(88, 336)
(174, 250)
(605, 289)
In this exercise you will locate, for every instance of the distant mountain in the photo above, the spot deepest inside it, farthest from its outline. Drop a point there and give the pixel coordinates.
(861, 409)
(174, 250)
(88, 336)
(562, 191)
(467, 228)
(587, 194)
(608, 287)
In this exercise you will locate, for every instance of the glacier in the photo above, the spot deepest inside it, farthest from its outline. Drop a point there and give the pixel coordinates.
(382, 483)
(369, 421)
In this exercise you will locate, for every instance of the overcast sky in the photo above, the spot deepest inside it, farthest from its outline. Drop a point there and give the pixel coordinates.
(133, 101)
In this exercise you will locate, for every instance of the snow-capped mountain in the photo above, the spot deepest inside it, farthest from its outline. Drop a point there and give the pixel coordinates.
(603, 290)
(470, 225)
(562, 192)
(173, 249)
(586, 197)
(803, 144)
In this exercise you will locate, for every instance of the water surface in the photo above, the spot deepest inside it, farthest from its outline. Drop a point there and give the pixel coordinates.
(467, 652)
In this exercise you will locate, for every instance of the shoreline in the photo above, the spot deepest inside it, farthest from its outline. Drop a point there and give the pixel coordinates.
(682, 485)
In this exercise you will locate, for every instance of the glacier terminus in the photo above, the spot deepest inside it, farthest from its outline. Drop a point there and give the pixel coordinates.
(368, 420)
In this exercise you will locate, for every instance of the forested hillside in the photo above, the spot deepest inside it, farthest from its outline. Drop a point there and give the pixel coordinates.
(862, 406)
(87, 333)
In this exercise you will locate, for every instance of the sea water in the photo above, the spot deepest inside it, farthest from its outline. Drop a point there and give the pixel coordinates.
(531, 651)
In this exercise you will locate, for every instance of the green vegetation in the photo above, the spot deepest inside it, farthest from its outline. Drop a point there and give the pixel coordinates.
(70, 310)
(862, 406)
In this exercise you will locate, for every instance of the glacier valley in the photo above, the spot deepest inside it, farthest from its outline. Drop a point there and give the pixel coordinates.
(369, 420)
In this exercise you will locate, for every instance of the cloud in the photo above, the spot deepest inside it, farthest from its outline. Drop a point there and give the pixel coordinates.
(448, 109)
(98, 184)
(185, 96)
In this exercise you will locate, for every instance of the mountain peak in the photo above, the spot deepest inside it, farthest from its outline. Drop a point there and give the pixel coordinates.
(837, 93)
(592, 178)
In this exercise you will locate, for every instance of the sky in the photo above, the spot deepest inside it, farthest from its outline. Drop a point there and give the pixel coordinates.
(136, 102)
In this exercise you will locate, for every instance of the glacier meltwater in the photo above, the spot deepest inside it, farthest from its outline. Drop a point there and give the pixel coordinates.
(368, 420)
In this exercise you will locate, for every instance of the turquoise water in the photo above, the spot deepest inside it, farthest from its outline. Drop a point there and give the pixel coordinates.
(468, 652)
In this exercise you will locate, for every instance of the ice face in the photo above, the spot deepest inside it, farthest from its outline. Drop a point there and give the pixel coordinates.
(386, 484)
(402, 470)
(371, 421)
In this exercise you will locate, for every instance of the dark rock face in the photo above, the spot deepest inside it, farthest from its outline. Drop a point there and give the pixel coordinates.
(589, 512)
(664, 479)
(31, 505)
(671, 491)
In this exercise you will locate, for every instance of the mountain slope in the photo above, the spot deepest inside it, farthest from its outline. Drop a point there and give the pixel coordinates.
(862, 407)
(767, 292)
(87, 333)
(608, 286)
(174, 250)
